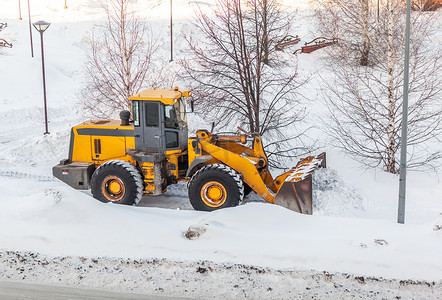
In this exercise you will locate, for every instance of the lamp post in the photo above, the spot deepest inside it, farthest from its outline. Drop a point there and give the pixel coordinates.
(171, 34)
(41, 26)
(65, 5)
(30, 29)
(403, 165)
(19, 10)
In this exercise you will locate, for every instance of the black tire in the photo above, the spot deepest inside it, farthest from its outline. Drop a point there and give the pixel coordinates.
(247, 189)
(117, 181)
(215, 186)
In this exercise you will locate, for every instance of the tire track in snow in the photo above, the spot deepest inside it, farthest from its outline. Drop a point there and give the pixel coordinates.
(22, 175)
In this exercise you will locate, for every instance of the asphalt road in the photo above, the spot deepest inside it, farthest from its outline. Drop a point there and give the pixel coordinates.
(25, 291)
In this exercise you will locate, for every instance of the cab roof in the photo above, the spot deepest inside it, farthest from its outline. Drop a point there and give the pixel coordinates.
(166, 96)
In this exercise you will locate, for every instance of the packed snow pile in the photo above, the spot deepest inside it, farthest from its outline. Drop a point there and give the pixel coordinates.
(333, 196)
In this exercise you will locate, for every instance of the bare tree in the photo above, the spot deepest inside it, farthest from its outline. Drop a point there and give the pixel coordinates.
(118, 60)
(426, 5)
(349, 22)
(238, 79)
(365, 102)
(272, 22)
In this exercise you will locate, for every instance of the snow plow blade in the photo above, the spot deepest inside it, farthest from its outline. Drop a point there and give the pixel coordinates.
(296, 191)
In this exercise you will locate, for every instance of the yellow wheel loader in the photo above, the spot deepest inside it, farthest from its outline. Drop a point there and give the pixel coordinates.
(120, 160)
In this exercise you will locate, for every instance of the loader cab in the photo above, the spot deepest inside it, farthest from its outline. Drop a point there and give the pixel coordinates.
(159, 118)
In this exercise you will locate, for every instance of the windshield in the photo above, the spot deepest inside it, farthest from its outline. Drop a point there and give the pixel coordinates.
(175, 115)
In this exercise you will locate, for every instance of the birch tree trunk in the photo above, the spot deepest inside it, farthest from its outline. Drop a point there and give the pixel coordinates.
(391, 161)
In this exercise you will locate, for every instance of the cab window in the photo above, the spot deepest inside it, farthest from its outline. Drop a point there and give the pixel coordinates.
(152, 115)
(136, 112)
(170, 117)
(175, 115)
(171, 139)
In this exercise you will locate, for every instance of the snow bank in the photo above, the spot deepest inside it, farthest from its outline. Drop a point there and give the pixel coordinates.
(61, 221)
(204, 279)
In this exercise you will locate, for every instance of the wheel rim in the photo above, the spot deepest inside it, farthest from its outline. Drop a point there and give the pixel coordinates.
(113, 188)
(213, 194)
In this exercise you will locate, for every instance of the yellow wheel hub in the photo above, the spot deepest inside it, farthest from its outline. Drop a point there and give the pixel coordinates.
(113, 188)
(213, 194)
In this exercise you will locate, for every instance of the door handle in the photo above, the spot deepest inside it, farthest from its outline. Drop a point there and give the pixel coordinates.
(137, 135)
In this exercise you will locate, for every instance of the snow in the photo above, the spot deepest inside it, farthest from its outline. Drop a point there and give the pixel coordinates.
(61, 221)
(53, 234)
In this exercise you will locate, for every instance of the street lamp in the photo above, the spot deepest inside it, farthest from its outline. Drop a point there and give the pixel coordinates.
(171, 33)
(65, 5)
(30, 29)
(41, 26)
(19, 10)
(403, 165)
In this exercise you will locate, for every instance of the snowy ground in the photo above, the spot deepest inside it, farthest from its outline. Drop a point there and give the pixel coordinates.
(50, 233)
(207, 280)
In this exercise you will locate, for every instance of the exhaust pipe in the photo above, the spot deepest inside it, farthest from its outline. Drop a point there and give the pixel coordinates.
(124, 116)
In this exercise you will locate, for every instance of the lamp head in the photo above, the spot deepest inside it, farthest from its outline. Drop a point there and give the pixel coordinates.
(41, 26)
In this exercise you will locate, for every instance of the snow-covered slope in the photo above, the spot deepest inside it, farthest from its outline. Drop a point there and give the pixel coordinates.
(60, 221)
(353, 229)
